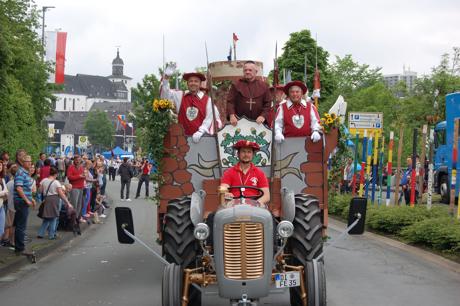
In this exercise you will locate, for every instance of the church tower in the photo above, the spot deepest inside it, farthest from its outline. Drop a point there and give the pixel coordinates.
(117, 65)
(121, 81)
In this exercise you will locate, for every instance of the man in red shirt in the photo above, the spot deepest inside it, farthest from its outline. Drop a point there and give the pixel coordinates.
(76, 177)
(245, 173)
(297, 117)
(145, 177)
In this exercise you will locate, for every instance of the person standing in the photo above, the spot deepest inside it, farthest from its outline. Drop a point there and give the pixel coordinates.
(296, 117)
(249, 97)
(3, 199)
(23, 199)
(61, 168)
(126, 174)
(52, 192)
(193, 106)
(112, 169)
(145, 177)
(76, 177)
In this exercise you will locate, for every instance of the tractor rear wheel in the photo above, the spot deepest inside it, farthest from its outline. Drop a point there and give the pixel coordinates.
(306, 243)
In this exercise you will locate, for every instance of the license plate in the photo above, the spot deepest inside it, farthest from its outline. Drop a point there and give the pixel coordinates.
(287, 279)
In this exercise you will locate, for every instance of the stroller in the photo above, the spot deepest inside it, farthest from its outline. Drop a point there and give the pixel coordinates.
(68, 220)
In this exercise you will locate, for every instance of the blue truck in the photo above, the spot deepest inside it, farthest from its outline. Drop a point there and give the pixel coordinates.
(443, 146)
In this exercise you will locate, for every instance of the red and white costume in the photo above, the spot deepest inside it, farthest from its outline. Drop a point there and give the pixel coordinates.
(194, 110)
(294, 120)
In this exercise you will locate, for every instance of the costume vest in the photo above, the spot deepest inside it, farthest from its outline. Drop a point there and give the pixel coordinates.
(192, 112)
(297, 120)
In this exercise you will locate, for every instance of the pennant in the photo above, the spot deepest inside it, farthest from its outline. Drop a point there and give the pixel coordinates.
(55, 54)
(229, 57)
(235, 38)
(316, 84)
(121, 119)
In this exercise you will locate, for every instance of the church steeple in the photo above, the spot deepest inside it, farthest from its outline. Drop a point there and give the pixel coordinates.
(117, 65)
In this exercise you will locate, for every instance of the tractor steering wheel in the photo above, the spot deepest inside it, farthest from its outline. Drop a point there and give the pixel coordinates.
(242, 188)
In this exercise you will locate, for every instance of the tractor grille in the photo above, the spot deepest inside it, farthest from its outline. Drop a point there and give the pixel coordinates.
(243, 250)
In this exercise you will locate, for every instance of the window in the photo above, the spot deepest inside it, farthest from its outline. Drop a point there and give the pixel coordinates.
(73, 104)
(440, 138)
(65, 103)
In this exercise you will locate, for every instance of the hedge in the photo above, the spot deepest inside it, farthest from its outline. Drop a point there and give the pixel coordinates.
(432, 228)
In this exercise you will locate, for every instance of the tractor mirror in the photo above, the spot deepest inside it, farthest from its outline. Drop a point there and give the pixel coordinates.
(124, 219)
(358, 208)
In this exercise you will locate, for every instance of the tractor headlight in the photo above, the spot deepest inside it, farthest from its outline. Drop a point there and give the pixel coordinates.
(201, 231)
(285, 229)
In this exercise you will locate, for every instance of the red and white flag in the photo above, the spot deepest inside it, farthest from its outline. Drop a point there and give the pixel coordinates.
(235, 38)
(55, 54)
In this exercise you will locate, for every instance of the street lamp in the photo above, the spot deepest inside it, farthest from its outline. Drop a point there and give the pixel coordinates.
(44, 8)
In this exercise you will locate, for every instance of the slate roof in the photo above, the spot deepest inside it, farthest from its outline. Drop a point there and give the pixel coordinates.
(93, 86)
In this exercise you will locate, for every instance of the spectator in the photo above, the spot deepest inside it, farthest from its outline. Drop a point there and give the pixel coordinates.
(5, 159)
(41, 161)
(89, 182)
(3, 199)
(52, 192)
(61, 168)
(406, 182)
(112, 169)
(44, 171)
(145, 177)
(20, 156)
(23, 199)
(76, 177)
(8, 237)
(126, 174)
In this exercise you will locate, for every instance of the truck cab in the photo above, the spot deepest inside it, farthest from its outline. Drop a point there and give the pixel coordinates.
(443, 146)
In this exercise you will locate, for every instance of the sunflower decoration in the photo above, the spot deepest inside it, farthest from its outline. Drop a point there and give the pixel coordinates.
(162, 105)
(329, 121)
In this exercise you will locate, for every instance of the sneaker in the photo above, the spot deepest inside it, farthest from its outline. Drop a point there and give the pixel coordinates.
(102, 216)
(87, 215)
(128, 200)
(122, 200)
(39, 237)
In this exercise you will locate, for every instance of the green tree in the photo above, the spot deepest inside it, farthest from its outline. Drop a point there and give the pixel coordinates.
(25, 96)
(293, 58)
(100, 129)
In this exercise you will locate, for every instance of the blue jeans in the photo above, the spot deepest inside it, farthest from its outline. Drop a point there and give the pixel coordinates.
(87, 199)
(50, 225)
(20, 221)
(2, 220)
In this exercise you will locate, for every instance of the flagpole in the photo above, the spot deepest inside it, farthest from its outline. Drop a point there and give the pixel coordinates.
(234, 49)
(163, 54)
(316, 66)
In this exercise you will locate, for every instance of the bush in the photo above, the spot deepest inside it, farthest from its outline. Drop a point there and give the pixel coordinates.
(442, 233)
(338, 204)
(393, 219)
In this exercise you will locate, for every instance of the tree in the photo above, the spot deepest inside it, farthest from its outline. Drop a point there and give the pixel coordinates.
(293, 58)
(100, 129)
(25, 96)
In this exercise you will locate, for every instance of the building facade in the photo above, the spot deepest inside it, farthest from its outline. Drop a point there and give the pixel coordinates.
(408, 77)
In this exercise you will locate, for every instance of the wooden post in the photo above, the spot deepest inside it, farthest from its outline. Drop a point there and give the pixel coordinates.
(368, 164)
(413, 183)
(380, 171)
(355, 166)
(453, 178)
(389, 167)
(430, 171)
(398, 165)
(374, 166)
(363, 165)
(421, 173)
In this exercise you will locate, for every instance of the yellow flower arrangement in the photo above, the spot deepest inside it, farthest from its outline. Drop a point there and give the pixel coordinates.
(329, 121)
(162, 105)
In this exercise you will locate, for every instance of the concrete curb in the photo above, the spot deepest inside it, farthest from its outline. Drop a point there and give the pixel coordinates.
(420, 253)
(42, 253)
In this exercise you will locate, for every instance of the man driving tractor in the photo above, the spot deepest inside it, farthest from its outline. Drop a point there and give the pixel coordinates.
(245, 173)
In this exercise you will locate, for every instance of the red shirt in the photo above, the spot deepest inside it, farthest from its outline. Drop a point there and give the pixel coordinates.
(192, 112)
(74, 176)
(254, 177)
(44, 173)
(145, 169)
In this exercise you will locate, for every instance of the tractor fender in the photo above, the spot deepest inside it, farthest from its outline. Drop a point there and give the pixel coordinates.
(197, 206)
(288, 204)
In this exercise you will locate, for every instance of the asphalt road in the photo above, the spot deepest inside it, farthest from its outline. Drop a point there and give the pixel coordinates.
(96, 270)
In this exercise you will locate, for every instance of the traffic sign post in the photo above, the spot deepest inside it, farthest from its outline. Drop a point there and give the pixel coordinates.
(358, 122)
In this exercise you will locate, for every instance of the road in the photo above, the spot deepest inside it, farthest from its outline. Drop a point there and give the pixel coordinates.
(96, 270)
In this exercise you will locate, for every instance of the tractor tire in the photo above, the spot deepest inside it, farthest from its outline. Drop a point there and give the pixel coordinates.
(172, 285)
(444, 189)
(306, 243)
(179, 244)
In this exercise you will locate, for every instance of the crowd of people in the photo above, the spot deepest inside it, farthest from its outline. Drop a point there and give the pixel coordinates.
(64, 191)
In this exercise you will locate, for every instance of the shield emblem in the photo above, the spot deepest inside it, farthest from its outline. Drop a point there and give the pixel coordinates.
(298, 121)
(191, 113)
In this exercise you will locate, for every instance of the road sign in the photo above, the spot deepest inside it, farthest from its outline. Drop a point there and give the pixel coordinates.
(358, 122)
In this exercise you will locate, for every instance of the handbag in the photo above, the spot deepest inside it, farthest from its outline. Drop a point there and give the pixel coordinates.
(41, 208)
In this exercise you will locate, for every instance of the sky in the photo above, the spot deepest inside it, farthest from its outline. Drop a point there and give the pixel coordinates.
(381, 33)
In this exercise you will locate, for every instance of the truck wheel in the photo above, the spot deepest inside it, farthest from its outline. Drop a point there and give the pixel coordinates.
(444, 189)
(179, 244)
(306, 243)
(171, 287)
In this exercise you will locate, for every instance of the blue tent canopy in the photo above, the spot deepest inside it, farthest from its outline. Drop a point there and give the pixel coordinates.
(117, 152)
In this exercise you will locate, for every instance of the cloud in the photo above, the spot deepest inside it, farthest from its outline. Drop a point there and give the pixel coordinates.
(387, 34)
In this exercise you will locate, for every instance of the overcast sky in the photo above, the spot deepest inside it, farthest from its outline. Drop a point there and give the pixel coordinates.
(381, 33)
